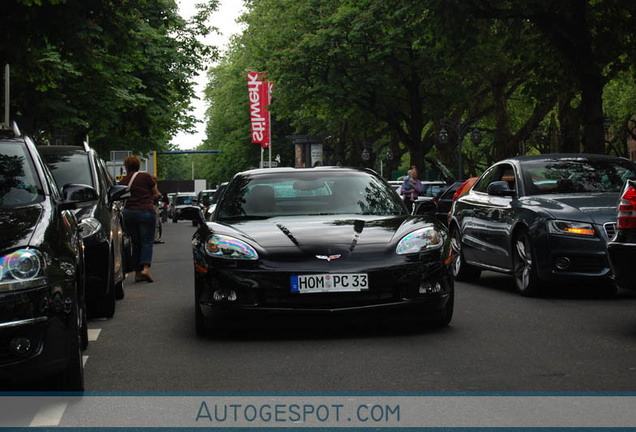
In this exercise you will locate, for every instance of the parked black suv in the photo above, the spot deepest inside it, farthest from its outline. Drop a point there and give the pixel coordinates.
(42, 302)
(101, 224)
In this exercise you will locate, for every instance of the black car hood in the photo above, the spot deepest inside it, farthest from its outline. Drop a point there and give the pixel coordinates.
(338, 231)
(17, 226)
(597, 208)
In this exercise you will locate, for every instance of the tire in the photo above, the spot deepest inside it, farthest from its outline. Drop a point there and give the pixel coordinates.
(84, 328)
(72, 377)
(447, 315)
(462, 271)
(119, 286)
(200, 324)
(105, 307)
(524, 266)
(158, 230)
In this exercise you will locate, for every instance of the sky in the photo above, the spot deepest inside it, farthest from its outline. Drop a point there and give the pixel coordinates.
(225, 20)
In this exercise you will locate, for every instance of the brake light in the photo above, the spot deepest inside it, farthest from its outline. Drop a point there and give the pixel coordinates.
(627, 209)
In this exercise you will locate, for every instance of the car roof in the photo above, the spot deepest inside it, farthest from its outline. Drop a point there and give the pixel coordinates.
(62, 149)
(288, 170)
(555, 156)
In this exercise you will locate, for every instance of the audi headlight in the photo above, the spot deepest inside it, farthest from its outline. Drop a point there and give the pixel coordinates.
(21, 269)
(89, 226)
(220, 246)
(571, 228)
(419, 241)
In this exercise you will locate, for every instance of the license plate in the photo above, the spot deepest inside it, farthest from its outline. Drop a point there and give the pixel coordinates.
(345, 282)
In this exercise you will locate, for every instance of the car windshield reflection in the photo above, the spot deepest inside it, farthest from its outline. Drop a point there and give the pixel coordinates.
(308, 193)
(576, 175)
(18, 184)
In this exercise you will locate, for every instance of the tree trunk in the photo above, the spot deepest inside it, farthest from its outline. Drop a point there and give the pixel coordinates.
(569, 119)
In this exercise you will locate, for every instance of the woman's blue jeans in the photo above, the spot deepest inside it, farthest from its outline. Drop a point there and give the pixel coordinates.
(140, 225)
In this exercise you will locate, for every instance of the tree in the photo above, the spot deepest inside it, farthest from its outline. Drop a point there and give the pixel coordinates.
(117, 71)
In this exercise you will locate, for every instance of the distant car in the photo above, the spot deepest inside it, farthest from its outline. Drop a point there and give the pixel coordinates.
(204, 199)
(542, 219)
(179, 202)
(440, 205)
(324, 240)
(101, 223)
(622, 248)
(170, 201)
(43, 328)
(215, 199)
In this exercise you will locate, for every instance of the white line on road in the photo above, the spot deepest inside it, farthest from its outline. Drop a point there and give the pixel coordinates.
(49, 415)
(93, 334)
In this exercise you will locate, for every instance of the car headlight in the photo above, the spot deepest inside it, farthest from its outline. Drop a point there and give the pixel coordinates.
(21, 269)
(220, 246)
(89, 226)
(418, 241)
(571, 228)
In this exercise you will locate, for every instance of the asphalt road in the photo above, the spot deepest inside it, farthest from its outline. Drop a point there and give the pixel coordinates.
(497, 341)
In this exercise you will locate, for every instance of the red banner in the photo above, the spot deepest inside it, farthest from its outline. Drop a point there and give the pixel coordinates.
(259, 96)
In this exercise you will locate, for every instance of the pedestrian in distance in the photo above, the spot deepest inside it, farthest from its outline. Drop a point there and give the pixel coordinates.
(140, 216)
(411, 188)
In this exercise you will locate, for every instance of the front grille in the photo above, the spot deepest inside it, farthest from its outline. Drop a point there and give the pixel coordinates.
(610, 229)
(328, 300)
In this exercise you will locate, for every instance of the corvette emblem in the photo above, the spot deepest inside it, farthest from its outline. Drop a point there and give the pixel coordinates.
(328, 257)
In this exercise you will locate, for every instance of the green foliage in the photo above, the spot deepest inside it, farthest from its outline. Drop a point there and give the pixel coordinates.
(119, 71)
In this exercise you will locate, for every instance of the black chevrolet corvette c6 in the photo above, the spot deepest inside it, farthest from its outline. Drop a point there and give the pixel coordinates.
(543, 218)
(319, 240)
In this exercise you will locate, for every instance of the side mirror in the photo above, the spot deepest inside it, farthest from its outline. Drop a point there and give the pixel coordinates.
(118, 193)
(77, 196)
(500, 188)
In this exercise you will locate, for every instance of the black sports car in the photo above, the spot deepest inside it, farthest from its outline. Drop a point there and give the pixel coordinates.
(42, 301)
(544, 218)
(622, 248)
(101, 224)
(318, 240)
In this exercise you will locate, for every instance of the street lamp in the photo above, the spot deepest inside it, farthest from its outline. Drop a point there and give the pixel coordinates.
(460, 128)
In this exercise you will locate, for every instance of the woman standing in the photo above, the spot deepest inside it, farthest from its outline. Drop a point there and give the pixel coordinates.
(411, 188)
(139, 216)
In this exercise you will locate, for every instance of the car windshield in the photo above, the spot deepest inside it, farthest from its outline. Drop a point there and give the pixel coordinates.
(19, 186)
(576, 175)
(308, 193)
(183, 199)
(69, 168)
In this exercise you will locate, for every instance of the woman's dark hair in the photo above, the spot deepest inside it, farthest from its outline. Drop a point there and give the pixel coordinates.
(132, 163)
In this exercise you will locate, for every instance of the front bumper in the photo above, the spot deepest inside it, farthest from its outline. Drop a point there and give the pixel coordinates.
(564, 258)
(423, 287)
(36, 327)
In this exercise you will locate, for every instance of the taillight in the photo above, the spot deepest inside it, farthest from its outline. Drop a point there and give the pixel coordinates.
(627, 209)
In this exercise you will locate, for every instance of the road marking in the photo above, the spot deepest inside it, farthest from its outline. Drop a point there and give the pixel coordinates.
(93, 334)
(49, 415)
(84, 358)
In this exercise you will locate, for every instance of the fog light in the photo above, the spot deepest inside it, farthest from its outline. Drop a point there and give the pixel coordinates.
(218, 295)
(21, 346)
(430, 288)
(232, 296)
(562, 263)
